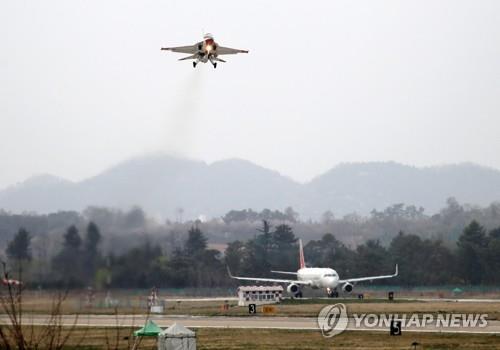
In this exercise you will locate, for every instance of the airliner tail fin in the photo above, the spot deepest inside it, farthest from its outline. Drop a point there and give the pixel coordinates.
(301, 255)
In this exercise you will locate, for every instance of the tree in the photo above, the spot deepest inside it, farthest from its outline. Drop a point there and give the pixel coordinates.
(135, 218)
(93, 238)
(266, 228)
(495, 233)
(233, 256)
(240, 215)
(284, 253)
(493, 257)
(283, 237)
(16, 334)
(91, 256)
(371, 259)
(291, 215)
(440, 260)
(138, 268)
(204, 264)
(252, 261)
(471, 248)
(196, 241)
(68, 263)
(20, 247)
(406, 250)
(330, 252)
(474, 234)
(72, 239)
(19, 251)
(263, 245)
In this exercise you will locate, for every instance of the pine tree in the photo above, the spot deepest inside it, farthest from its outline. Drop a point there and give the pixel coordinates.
(471, 250)
(19, 248)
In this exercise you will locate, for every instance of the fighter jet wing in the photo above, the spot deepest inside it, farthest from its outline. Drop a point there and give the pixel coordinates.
(361, 279)
(221, 50)
(192, 57)
(192, 49)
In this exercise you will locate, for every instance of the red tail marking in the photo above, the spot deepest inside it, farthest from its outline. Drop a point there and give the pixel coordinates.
(301, 255)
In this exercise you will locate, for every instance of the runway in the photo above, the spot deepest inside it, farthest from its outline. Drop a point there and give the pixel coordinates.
(250, 322)
(215, 299)
(451, 300)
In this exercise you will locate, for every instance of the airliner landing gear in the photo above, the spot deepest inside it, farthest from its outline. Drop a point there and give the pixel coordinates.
(215, 64)
(298, 295)
(332, 293)
(194, 64)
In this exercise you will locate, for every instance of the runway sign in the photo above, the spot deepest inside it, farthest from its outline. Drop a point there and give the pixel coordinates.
(268, 309)
(395, 327)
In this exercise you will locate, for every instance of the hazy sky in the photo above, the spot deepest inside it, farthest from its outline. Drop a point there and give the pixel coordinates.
(84, 85)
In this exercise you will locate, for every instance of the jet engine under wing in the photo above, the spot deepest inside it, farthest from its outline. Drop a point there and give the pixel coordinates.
(229, 51)
(360, 279)
(192, 49)
(257, 279)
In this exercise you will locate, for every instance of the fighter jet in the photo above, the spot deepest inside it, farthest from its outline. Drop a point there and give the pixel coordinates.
(204, 51)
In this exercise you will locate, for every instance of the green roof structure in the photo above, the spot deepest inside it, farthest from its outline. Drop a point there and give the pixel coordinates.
(150, 329)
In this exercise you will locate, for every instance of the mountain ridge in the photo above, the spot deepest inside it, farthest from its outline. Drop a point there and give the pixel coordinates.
(161, 184)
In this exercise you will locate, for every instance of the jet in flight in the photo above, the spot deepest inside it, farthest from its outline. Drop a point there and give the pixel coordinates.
(204, 51)
(314, 277)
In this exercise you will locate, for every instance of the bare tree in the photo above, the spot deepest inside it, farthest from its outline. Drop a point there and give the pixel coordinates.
(14, 334)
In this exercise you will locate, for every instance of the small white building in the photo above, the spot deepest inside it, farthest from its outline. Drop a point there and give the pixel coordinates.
(177, 337)
(259, 295)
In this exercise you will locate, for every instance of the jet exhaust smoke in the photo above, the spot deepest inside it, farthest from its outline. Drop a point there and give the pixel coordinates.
(181, 123)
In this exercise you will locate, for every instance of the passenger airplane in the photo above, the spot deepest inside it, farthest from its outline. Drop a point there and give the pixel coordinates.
(204, 51)
(314, 277)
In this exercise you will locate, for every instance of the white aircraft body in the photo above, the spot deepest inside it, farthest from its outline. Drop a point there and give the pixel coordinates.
(204, 51)
(314, 277)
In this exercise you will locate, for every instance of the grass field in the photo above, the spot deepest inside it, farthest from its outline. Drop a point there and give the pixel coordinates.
(97, 339)
(272, 339)
(214, 338)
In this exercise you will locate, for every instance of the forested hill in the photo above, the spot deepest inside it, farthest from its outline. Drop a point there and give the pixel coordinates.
(165, 186)
(362, 187)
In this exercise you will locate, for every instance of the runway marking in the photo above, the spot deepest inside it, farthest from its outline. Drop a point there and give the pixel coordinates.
(250, 322)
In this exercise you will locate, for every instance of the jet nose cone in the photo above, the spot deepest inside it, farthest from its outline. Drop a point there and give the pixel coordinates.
(331, 282)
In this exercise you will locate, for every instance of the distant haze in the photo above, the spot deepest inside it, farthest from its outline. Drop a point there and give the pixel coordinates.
(84, 85)
(162, 184)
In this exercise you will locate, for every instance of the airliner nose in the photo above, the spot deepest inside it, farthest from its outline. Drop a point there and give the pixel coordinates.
(331, 282)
